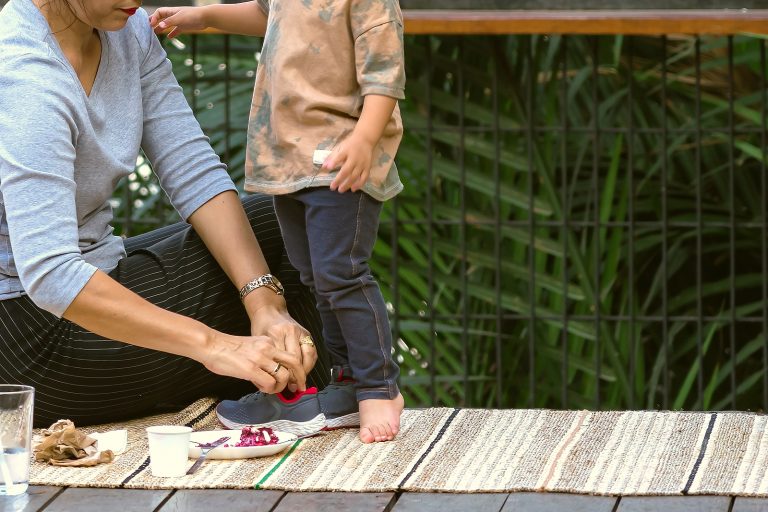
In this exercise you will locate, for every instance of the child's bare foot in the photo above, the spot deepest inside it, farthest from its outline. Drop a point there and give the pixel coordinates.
(380, 419)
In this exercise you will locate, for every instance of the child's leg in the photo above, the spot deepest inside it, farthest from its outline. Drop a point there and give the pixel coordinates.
(342, 230)
(290, 214)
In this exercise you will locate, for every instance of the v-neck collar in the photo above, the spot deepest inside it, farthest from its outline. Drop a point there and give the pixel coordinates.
(54, 44)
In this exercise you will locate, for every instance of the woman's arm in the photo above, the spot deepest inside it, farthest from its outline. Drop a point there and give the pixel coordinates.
(111, 310)
(203, 193)
(223, 226)
(107, 308)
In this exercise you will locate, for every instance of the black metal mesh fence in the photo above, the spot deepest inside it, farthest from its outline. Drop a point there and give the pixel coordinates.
(584, 221)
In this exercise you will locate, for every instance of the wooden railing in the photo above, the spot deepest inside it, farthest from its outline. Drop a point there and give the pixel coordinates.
(629, 22)
(655, 22)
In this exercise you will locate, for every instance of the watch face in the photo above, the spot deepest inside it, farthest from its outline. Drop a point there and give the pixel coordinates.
(275, 283)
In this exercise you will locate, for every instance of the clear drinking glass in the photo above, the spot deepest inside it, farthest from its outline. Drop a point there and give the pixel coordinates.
(16, 405)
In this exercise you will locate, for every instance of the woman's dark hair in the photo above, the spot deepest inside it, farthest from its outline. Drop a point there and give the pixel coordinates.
(62, 8)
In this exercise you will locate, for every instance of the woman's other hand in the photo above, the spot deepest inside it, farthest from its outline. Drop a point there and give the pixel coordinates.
(182, 19)
(254, 358)
(288, 335)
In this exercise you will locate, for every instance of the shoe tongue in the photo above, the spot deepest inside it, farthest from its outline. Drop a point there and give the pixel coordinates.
(289, 396)
(341, 374)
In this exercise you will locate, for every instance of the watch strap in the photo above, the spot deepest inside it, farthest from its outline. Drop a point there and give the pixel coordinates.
(267, 280)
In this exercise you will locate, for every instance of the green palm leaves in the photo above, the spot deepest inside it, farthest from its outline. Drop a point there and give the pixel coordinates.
(583, 223)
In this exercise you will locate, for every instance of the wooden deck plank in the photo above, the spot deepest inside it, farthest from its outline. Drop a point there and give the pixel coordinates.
(750, 505)
(442, 502)
(335, 502)
(675, 504)
(557, 502)
(83, 499)
(31, 501)
(224, 500)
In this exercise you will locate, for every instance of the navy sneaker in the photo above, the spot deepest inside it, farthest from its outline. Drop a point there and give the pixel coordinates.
(297, 413)
(338, 400)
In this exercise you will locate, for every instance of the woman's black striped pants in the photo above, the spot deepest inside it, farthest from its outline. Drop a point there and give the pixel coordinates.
(90, 379)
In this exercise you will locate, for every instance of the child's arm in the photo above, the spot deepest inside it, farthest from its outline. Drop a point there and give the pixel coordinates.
(245, 18)
(354, 154)
(377, 30)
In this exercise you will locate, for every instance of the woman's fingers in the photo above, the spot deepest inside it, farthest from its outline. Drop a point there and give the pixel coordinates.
(263, 381)
(293, 364)
(299, 342)
(291, 337)
(308, 351)
(270, 381)
(308, 356)
(259, 359)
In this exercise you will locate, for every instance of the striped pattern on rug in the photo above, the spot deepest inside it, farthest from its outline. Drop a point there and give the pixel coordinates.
(475, 450)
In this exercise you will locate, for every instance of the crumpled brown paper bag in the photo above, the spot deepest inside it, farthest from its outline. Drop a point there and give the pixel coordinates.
(63, 445)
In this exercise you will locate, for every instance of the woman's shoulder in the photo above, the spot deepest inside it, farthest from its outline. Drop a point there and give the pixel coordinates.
(137, 31)
(25, 44)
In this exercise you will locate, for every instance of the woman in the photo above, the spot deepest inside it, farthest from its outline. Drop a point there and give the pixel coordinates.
(104, 329)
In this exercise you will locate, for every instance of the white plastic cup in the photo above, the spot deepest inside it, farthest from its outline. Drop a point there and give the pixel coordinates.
(16, 409)
(168, 450)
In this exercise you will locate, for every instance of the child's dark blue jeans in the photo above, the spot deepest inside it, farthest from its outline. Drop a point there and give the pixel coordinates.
(329, 237)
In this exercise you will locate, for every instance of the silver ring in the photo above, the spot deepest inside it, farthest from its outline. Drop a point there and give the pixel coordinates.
(277, 368)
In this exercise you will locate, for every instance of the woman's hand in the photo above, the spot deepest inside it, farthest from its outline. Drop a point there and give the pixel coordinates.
(287, 335)
(354, 155)
(182, 19)
(254, 358)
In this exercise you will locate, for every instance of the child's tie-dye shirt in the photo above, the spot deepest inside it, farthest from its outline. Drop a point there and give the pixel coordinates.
(319, 59)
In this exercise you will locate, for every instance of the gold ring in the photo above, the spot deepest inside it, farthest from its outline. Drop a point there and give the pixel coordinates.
(307, 340)
(277, 368)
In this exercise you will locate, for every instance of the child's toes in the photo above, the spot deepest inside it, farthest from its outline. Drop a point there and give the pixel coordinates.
(387, 431)
(367, 435)
(377, 432)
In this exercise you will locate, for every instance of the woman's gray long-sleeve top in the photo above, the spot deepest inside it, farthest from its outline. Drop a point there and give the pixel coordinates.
(63, 152)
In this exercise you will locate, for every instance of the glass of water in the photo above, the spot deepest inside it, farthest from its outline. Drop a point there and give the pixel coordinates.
(16, 404)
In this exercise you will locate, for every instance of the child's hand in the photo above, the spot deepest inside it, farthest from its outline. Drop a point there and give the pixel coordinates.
(354, 155)
(182, 19)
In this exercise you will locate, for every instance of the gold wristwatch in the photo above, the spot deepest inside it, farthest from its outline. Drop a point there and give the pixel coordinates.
(267, 280)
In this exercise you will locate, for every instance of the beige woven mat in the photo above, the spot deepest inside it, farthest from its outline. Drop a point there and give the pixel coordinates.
(470, 450)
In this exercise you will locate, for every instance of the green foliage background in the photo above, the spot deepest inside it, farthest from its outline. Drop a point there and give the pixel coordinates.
(582, 225)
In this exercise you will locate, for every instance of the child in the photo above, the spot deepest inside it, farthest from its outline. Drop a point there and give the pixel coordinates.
(323, 132)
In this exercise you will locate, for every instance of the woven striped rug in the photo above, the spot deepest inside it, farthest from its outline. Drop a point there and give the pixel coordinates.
(473, 450)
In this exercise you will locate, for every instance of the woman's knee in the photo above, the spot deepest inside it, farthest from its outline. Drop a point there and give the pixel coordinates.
(259, 209)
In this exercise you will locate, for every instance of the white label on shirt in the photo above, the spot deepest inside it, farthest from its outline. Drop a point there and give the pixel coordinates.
(320, 155)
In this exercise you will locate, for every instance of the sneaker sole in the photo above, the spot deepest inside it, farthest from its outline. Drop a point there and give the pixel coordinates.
(300, 428)
(349, 420)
